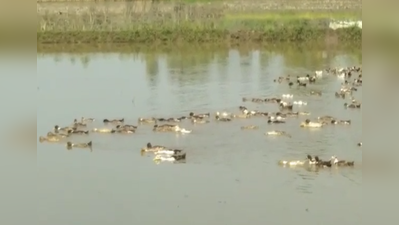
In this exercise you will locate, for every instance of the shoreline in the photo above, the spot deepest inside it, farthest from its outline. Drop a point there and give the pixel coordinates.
(189, 48)
(170, 22)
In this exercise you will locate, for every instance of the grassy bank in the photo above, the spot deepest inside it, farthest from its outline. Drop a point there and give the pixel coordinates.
(194, 25)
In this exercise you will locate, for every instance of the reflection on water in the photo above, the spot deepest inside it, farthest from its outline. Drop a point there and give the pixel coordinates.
(230, 177)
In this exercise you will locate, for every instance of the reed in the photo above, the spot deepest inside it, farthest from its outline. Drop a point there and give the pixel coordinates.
(189, 23)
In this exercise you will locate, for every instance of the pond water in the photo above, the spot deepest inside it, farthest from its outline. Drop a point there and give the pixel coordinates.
(230, 176)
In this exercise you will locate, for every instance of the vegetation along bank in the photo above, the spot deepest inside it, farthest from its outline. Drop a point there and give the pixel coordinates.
(195, 22)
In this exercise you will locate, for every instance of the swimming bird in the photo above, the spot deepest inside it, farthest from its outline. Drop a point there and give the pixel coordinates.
(168, 152)
(275, 121)
(199, 121)
(337, 162)
(75, 131)
(222, 119)
(318, 73)
(117, 121)
(277, 133)
(57, 135)
(321, 163)
(311, 124)
(317, 93)
(79, 124)
(341, 122)
(86, 120)
(300, 103)
(312, 161)
(291, 163)
(152, 148)
(64, 129)
(200, 115)
(147, 120)
(49, 139)
(166, 128)
(360, 144)
(103, 130)
(79, 145)
(287, 95)
(172, 158)
(250, 127)
(130, 127)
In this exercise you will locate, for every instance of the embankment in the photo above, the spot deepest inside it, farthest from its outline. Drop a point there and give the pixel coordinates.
(195, 22)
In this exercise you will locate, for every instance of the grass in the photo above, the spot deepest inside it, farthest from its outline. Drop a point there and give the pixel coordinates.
(192, 24)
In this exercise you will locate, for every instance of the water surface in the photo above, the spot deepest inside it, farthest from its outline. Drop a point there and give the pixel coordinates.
(231, 176)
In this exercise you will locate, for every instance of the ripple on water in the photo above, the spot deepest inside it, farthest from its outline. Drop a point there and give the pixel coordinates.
(226, 166)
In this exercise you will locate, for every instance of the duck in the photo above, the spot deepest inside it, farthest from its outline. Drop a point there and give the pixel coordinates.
(147, 120)
(292, 114)
(337, 162)
(199, 121)
(275, 121)
(353, 105)
(51, 134)
(305, 78)
(290, 84)
(277, 133)
(184, 131)
(300, 84)
(326, 118)
(273, 100)
(360, 144)
(199, 116)
(318, 73)
(304, 113)
(168, 152)
(130, 127)
(317, 93)
(277, 117)
(340, 94)
(291, 163)
(49, 139)
(75, 131)
(312, 79)
(171, 158)
(126, 131)
(250, 127)
(310, 124)
(223, 114)
(256, 100)
(287, 96)
(79, 145)
(300, 103)
(78, 124)
(103, 130)
(222, 119)
(242, 115)
(341, 122)
(312, 161)
(287, 106)
(86, 120)
(171, 120)
(165, 128)
(117, 121)
(152, 148)
(321, 163)
(64, 129)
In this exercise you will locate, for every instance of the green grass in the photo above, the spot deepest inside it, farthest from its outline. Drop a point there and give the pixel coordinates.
(206, 25)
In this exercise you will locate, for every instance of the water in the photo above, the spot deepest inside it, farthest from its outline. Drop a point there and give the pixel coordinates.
(231, 176)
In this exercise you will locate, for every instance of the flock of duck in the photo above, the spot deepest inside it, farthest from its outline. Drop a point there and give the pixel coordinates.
(350, 84)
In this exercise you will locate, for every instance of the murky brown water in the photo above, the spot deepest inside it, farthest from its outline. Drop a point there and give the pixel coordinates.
(231, 176)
